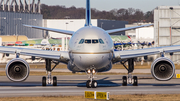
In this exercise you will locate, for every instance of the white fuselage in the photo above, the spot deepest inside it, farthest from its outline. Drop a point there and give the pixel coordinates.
(91, 47)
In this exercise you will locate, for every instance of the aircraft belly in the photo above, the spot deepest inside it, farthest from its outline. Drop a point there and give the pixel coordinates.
(85, 61)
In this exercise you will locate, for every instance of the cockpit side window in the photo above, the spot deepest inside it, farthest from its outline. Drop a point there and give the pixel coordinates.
(101, 41)
(88, 41)
(95, 41)
(81, 41)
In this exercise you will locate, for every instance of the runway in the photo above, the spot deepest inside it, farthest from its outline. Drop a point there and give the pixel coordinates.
(75, 85)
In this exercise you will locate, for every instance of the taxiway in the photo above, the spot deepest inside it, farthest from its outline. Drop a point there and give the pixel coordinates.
(75, 85)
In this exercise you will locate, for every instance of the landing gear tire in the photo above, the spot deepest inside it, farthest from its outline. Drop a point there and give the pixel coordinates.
(124, 81)
(54, 81)
(94, 84)
(88, 84)
(135, 79)
(43, 81)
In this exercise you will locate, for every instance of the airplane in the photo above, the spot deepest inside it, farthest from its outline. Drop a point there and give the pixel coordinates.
(90, 51)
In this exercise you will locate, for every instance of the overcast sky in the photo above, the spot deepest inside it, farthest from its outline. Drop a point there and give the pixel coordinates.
(144, 5)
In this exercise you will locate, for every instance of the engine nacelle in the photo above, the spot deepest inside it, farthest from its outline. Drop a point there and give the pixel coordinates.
(17, 69)
(162, 69)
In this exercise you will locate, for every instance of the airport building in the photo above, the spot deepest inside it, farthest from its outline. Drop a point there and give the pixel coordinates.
(75, 24)
(167, 28)
(14, 13)
(167, 25)
(145, 34)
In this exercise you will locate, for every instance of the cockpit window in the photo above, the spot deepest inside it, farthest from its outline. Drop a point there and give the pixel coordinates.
(94, 41)
(88, 41)
(101, 41)
(81, 41)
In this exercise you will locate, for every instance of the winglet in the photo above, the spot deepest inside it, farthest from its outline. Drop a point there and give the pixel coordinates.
(88, 13)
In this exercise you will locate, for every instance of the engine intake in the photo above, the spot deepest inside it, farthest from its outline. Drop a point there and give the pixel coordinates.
(162, 69)
(17, 69)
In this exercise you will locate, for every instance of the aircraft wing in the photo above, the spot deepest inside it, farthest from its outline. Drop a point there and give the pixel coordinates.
(144, 52)
(125, 29)
(47, 54)
(51, 29)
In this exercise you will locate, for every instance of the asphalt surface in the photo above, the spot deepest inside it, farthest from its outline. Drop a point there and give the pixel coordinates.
(75, 85)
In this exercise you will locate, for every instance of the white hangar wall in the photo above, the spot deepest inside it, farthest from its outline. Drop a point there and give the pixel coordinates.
(69, 24)
(167, 28)
(167, 24)
(145, 34)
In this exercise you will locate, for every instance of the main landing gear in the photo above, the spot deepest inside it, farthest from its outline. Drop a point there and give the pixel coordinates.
(129, 79)
(49, 79)
(91, 83)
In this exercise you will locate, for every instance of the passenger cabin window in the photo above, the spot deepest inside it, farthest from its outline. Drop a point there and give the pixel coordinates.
(101, 41)
(94, 41)
(88, 41)
(81, 41)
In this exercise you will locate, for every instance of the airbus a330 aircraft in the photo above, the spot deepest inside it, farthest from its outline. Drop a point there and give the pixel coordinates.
(90, 51)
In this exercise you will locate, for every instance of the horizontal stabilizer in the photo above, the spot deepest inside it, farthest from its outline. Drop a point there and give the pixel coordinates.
(51, 29)
(125, 29)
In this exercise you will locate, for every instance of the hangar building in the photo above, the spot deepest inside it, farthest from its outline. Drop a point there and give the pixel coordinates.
(75, 24)
(167, 25)
(167, 28)
(14, 13)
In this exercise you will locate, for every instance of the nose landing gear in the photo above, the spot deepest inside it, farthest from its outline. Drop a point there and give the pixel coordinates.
(91, 83)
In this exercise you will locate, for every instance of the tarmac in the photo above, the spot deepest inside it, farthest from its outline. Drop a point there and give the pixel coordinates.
(146, 71)
(75, 85)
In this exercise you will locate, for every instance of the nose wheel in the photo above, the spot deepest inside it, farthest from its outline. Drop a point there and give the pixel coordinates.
(88, 84)
(91, 83)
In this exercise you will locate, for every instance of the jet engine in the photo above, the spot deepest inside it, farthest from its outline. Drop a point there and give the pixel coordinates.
(17, 69)
(162, 69)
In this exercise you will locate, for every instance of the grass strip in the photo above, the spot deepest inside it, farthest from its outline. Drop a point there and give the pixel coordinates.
(133, 97)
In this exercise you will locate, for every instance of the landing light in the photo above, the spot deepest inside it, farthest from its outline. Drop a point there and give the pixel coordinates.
(89, 71)
(93, 71)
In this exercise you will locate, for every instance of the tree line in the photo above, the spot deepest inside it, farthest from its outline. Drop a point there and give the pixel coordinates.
(131, 15)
